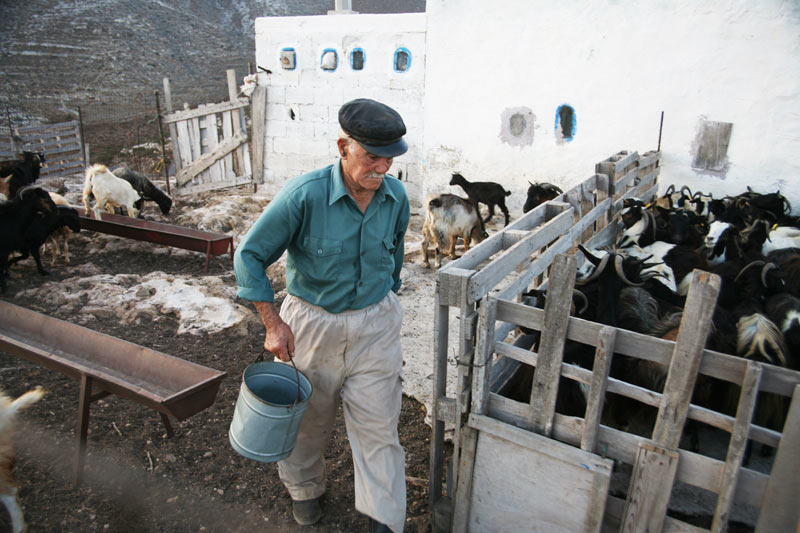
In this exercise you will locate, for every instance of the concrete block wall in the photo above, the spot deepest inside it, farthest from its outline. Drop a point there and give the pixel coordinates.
(303, 103)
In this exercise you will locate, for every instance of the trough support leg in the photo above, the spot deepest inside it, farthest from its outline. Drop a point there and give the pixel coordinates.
(168, 425)
(85, 401)
(208, 254)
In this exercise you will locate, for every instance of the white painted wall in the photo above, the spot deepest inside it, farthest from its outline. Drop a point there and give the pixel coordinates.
(619, 63)
(295, 146)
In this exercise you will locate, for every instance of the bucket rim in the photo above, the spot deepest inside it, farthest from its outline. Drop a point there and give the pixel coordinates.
(290, 377)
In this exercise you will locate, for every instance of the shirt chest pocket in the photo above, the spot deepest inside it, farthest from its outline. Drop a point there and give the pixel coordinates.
(323, 256)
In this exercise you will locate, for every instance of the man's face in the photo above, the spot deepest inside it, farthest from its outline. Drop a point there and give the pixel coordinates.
(363, 170)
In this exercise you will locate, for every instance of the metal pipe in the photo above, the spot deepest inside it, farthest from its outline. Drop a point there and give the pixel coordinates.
(660, 127)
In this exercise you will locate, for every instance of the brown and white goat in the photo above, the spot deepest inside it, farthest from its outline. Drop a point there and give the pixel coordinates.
(447, 218)
(108, 190)
(60, 234)
(8, 486)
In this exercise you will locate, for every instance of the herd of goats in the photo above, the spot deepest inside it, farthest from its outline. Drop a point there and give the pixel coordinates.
(31, 217)
(751, 241)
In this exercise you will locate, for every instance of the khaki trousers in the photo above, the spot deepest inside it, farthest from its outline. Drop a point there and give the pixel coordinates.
(355, 357)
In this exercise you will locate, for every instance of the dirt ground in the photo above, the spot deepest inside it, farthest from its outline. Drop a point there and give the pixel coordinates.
(138, 479)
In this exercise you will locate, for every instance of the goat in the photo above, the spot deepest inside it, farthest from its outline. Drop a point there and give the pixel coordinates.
(59, 234)
(5, 187)
(484, 192)
(22, 172)
(108, 190)
(39, 231)
(538, 193)
(447, 218)
(783, 310)
(8, 486)
(16, 215)
(145, 188)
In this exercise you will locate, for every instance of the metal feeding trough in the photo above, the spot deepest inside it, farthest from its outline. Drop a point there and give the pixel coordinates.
(159, 233)
(108, 365)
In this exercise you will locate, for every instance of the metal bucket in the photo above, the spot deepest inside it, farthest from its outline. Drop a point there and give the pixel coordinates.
(271, 403)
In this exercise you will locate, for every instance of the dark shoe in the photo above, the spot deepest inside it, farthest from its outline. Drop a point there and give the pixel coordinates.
(306, 512)
(377, 527)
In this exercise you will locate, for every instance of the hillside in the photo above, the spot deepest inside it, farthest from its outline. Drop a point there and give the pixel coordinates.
(108, 57)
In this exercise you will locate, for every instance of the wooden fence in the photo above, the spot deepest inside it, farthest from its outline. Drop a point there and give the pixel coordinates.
(210, 143)
(519, 464)
(62, 144)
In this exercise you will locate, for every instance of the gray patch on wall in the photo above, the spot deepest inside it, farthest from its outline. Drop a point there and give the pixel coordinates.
(709, 149)
(516, 126)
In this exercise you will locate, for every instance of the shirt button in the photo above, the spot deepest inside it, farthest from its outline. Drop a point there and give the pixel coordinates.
(319, 251)
(363, 254)
(360, 283)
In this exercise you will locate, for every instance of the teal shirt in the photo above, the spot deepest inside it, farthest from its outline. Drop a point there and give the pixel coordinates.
(337, 257)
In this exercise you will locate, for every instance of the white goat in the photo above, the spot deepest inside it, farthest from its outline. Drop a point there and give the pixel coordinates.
(8, 486)
(447, 218)
(108, 190)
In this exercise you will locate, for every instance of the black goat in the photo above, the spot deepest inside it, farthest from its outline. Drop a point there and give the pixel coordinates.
(40, 228)
(16, 215)
(21, 172)
(145, 188)
(538, 193)
(484, 192)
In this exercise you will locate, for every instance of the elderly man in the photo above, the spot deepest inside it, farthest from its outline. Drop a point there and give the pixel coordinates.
(343, 228)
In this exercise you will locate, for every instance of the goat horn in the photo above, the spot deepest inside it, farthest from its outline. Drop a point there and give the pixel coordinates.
(767, 267)
(591, 257)
(651, 221)
(582, 297)
(742, 271)
(621, 273)
(597, 271)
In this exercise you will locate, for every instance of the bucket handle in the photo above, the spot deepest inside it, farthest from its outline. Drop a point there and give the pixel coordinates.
(296, 372)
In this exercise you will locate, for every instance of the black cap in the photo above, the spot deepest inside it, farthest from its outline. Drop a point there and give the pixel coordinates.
(378, 128)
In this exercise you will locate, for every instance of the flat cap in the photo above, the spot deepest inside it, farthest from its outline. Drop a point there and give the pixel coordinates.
(378, 128)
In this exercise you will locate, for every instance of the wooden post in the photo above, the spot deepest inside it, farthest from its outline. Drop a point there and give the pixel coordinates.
(551, 348)
(597, 392)
(259, 112)
(236, 115)
(84, 150)
(161, 140)
(779, 511)
(648, 495)
(173, 129)
(694, 329)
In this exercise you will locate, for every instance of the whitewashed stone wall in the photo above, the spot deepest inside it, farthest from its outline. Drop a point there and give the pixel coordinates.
(617, 63)
(303, 104)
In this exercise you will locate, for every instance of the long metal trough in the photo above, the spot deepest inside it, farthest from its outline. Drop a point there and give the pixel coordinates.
(108, 365)
(159, 233)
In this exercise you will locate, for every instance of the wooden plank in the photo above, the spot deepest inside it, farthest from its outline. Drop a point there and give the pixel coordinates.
(177, 157)
(237, 118)
(461, 506)
(780, 510)
(649, 492)
(489, 276)
(551, 346)
(523, 481)
(259, 118)
(189, 114)
(199, 165)
(483, 355)
(216, 172)
(738, 441)
(440, 336)
(597, 392)
(227, 133)
(694, 329)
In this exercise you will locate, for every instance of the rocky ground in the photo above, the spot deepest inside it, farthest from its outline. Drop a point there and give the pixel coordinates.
(138, 479)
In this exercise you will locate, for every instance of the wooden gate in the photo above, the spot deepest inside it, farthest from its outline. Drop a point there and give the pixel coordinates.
(61, 143)
(210, 143)
(517, 463)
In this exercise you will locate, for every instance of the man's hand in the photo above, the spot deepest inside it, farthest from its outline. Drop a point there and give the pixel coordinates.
(279, 339)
